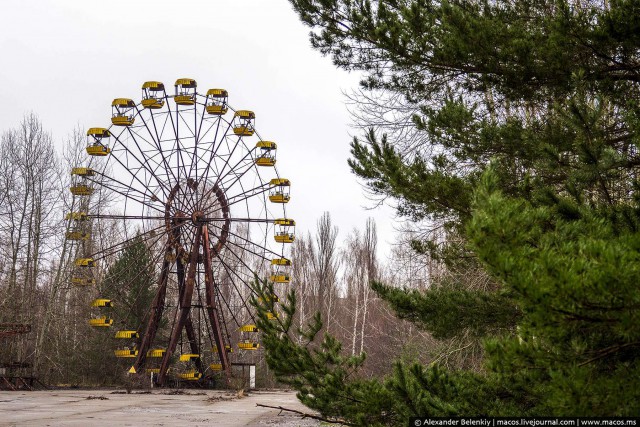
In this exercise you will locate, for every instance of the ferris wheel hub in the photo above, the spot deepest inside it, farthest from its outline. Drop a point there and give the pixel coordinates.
(197, 218)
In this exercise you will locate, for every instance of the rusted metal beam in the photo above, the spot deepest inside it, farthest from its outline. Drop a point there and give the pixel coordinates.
(212, 309)
(157, 308)
(193, 343)
(185, 306)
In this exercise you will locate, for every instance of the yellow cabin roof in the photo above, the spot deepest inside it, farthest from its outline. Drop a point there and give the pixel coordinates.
(126, 334)
(191, 375)
(125, 352)
(82, 171)
(101, 321)
(185, 82)
(123, 102)
(77, 216)
(156, 352)
(284, 221)
(248, 345)
(248, 328)
(266, 144)
(280, 181)
(85, 262)
(101, 302)
(81, 281)
(153, 86)
(189, 356)
(281, 261)
(245, 114)
(99, 132)
(280, 278)
(217, 93)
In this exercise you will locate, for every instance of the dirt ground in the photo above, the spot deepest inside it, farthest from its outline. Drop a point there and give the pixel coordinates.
(159, 408)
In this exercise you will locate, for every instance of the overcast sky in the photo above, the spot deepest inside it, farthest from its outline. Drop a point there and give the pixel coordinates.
(66, 60)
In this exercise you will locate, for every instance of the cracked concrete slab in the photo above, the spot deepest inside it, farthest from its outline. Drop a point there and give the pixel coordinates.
(160, 408)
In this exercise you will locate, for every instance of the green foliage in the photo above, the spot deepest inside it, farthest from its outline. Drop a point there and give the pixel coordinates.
(421, 188)
(323, 377)
(328, 381)
(575, 279)
(447, 312)
(530, 116)
(524, 49)
(129, 283)
(527, 85)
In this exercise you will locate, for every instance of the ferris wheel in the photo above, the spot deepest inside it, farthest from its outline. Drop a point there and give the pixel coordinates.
(188, 181)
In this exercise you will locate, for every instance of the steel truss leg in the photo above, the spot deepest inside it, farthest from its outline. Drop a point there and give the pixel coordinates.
(212, 309)
(157, 309)
(185, 307)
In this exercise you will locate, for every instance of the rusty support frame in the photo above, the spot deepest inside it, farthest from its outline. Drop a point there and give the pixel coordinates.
(157, 309)
(187, 275)
(212, 309)
(185, 306)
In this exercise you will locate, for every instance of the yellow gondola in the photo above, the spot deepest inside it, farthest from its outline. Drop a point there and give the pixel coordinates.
(244, 127)
(248, 328)
(217, 101)
(248, 345)
(82, 281)
(216, 366)
(101, 322)
(82, 171)
(81, 190)
(285, 232)
(98, 150)
(127, 334)
(77, 216)
(156, 352)
(187, 357)
(185, 91)
(153, 370)
(280, 192)
(122, 112)
(98, 142)
(267, 154)
(190, 376)
(125, 352)
(77, 235)
(280, 278)
(101, 302)
(280, 273)
(283, 237)
(153, 95)
(85, 262)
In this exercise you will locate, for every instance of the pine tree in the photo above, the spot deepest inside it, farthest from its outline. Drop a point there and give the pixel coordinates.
(128, 283)
(530, 110)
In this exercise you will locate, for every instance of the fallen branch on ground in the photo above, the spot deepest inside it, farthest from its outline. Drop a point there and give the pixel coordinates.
(307, 415)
